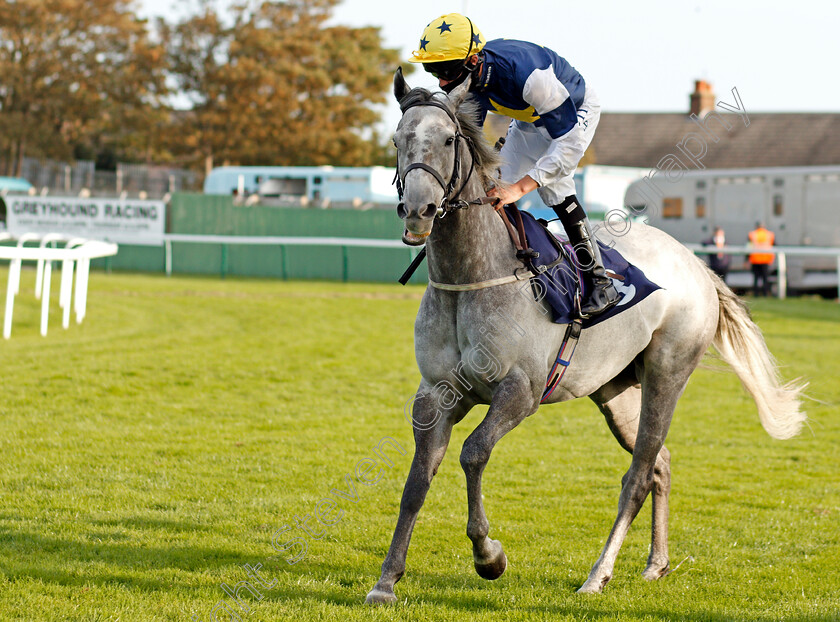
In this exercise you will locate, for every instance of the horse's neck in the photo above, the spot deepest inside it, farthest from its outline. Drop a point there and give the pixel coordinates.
(471, 244)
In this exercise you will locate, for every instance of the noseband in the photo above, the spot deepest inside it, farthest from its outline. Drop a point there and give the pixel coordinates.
(448, 203)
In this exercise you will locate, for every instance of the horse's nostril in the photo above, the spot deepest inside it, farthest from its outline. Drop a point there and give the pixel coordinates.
(401, 211)
(430, 211)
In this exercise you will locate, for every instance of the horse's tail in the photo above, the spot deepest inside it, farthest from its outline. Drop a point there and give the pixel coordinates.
(742, 345)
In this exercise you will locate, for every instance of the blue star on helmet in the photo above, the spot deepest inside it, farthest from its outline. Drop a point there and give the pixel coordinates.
(444, 27)
(423, 43)
(476, 39)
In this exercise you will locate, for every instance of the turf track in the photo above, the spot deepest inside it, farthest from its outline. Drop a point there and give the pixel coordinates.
(151, 452)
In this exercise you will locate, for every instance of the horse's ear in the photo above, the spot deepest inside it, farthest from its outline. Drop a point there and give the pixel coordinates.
(401, 87)
(459, 93)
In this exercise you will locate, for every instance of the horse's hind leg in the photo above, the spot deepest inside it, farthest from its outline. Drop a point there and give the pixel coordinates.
(663, 370)
(620, 400)
(512, 402)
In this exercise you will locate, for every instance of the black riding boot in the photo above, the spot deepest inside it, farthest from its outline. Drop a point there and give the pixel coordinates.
(602, 294)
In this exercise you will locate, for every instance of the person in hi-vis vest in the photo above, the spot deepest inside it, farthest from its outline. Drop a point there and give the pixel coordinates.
(761, 238)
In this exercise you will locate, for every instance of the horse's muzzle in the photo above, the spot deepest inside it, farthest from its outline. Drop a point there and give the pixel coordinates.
(418, 223)
(424, 213)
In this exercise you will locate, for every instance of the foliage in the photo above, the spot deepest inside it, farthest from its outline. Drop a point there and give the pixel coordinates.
(279, 85)
(75, 72)
(271, 84)
(151, 452)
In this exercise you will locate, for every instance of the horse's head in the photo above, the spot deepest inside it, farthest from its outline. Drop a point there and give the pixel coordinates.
(429, 149)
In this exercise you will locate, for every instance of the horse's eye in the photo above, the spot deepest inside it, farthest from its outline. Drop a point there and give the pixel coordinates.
(450, 140)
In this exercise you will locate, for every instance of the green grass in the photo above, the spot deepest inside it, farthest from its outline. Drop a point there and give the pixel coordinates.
(151, 452)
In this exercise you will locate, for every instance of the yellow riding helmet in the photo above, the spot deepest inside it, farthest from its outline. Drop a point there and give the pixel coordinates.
(449, 37)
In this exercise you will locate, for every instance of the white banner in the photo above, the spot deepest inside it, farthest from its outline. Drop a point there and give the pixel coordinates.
(124, 221)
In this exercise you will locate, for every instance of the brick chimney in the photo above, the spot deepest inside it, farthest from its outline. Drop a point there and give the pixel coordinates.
(702, 99)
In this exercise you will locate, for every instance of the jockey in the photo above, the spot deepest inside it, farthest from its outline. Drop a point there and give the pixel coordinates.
(554, 115)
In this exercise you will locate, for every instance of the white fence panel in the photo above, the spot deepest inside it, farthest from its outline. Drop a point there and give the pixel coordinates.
(76, 250)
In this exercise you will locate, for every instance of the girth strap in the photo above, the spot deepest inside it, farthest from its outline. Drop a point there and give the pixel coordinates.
(470, 287)
(564, 358)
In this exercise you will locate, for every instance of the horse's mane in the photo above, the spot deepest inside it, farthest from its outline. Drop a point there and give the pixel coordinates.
(485, 156)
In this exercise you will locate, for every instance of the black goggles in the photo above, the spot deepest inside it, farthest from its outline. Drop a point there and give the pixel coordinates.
(446, 70)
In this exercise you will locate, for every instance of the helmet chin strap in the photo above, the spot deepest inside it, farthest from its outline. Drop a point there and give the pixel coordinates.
(460, 79)
(456, 82)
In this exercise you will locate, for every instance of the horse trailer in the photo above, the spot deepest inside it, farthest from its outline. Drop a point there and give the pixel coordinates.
(323, 186)
(801, 205)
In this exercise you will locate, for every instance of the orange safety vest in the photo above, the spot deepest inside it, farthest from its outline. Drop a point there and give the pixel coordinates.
(761, 238)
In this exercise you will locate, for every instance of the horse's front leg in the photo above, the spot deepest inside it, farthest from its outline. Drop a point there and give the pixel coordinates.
(432, 429)
(513, 400)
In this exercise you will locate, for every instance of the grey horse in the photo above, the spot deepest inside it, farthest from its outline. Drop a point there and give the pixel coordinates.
(634, 366)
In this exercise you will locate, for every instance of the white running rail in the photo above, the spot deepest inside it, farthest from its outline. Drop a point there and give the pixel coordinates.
(781, 253)
(76, 254)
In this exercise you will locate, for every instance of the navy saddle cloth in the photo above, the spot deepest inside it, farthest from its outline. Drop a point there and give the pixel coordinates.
(559, 283)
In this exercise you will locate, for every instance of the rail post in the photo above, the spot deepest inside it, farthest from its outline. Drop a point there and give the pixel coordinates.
(82, 278)
(167, 256)
(65, 295)
(283, 271)
(782, 276)
(11, 290)
(45, 297)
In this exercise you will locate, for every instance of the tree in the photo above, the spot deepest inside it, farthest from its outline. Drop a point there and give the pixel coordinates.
(278, 86)
(72, 71)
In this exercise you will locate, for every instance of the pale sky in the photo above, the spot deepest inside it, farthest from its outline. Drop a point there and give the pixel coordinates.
(642, 55)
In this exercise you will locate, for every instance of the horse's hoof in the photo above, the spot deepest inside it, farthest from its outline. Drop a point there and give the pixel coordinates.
(493, 569)
(593, 587)
(380, 597)
(656, 571)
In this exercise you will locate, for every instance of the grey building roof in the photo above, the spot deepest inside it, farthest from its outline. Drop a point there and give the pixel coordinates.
(771, 139)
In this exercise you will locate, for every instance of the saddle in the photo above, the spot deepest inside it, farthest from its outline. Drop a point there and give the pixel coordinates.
(558, 279)
(543, 253)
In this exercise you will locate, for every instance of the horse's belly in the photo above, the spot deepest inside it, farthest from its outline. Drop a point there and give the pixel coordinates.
(606, 349)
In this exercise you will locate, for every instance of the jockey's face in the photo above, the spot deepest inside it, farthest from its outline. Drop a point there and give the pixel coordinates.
(450, 72)
(446, 71)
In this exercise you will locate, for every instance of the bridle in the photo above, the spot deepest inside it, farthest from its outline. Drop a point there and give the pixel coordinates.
(449, 203)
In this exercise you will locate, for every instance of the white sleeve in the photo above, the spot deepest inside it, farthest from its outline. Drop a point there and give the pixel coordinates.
(544, 91)
(560, 160)
(552, 102)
